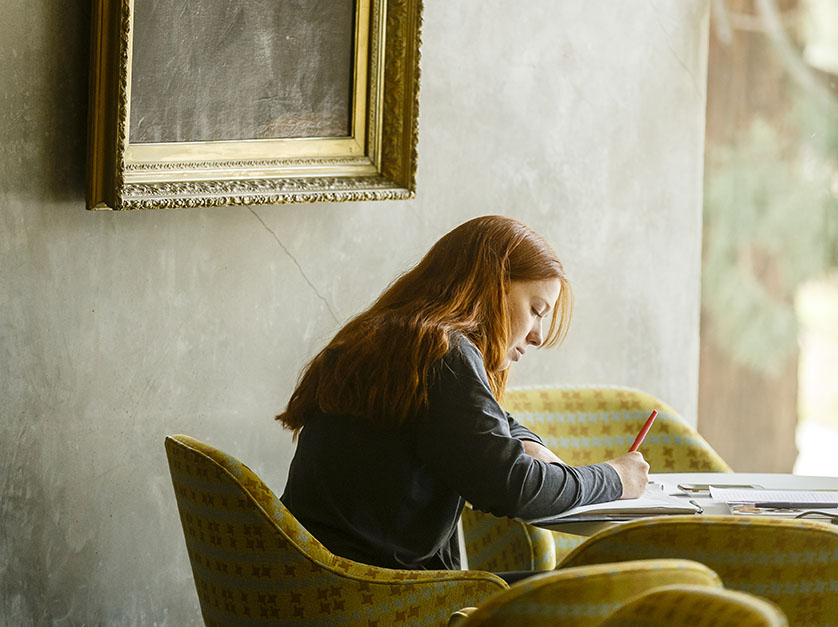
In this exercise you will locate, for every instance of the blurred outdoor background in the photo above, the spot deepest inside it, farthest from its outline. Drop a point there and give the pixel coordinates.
(768, 390)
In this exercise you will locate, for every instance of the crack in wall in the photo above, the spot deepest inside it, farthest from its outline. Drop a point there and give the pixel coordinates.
(296, 263)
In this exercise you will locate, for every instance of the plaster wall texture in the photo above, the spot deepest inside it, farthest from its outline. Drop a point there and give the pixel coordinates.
(584, 119)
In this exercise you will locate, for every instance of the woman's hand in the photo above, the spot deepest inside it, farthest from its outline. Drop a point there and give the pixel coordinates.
(634, 474)
(539, 451)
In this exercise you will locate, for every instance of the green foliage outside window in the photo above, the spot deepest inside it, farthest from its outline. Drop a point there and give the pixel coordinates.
(771, 224)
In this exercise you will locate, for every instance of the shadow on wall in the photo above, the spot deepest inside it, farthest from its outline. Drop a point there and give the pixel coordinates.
(46, 124)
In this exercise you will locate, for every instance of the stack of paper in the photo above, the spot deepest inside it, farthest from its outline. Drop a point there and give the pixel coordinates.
(782, 503)
(728, 495)
(654, 502)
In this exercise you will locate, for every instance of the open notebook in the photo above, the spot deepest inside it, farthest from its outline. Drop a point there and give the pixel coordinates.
(654, 502)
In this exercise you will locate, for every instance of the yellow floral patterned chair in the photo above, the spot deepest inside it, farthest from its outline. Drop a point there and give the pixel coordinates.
(576, 597)
(254, 564)
(794, 563)
(582, 425)
(696, 606)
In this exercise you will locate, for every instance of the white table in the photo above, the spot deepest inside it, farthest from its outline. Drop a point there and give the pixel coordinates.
(670, 481)
(769, 481)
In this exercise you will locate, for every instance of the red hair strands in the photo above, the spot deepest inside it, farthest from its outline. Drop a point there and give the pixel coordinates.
(380, 365)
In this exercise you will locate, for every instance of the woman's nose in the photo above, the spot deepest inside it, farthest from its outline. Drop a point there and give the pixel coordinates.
(535, 338)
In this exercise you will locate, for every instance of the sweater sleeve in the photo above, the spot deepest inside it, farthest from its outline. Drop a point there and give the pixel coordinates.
(465, 437)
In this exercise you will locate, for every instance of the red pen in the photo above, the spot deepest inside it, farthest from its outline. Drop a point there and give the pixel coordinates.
(639, 439)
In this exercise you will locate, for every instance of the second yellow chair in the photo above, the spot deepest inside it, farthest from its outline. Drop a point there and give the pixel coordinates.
(583, 597)
(794, 563)
(696, 606)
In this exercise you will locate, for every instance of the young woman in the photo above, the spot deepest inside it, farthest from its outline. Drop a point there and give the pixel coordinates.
(397, 420)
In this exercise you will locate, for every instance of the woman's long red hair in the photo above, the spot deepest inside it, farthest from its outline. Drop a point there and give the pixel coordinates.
(380, 365)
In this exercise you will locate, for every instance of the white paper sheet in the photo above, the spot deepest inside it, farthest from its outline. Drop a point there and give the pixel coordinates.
(728, 495)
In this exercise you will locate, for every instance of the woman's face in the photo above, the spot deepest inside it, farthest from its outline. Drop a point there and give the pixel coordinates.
(528, 302)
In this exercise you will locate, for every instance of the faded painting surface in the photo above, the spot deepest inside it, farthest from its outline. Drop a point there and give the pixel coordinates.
(206, 71)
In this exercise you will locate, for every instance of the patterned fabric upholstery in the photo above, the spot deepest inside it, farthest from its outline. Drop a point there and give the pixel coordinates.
(791, 562)
(586, 425)
(583, 596)
(502, 544)
(253, 562)
(697, 606)
(583, 425)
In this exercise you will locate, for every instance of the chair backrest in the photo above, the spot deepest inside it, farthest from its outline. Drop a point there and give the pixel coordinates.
(583, 596)
(791, 562)
(253, 562)
(502, 544)
(590, 424)
(696, 606)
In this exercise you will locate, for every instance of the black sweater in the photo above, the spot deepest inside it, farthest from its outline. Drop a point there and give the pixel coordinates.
(391, 496)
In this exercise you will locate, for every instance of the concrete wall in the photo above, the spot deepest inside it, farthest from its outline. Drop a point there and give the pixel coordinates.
(584, 119)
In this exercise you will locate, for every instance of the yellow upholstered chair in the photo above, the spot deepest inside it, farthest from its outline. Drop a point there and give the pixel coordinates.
(794, 563)
(579, 597)
(254, 563)
(696, 606)
(582, 425)
(502, 544)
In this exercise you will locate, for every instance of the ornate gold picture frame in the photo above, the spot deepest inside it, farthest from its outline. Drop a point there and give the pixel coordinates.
(315, 102)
